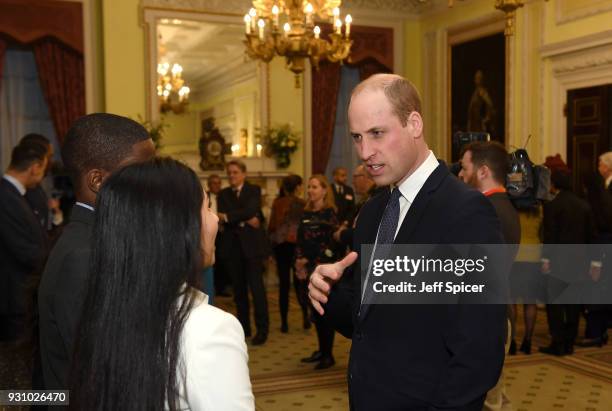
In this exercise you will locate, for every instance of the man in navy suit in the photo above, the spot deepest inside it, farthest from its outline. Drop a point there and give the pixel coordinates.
(410, 357)
(22, 239)
(243, 247)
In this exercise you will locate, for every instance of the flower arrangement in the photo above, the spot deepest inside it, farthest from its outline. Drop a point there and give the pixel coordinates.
(280, 142)
(155, 130)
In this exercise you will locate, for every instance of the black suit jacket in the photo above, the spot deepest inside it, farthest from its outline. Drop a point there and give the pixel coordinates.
(39, 202)
(252, 241)
(22, 249)
(60, 297)
(422, 357)
(345, 202)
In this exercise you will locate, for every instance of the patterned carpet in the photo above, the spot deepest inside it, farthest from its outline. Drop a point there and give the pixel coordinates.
(535, 382)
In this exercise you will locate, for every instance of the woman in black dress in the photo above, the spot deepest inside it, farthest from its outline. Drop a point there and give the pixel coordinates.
(316, 246)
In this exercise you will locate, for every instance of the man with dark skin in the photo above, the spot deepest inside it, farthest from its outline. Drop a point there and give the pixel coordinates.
(95, 146)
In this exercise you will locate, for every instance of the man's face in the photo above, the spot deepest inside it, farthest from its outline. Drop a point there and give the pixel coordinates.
(341, 176)
(468, 173)
(388, 149)
(361, 182)
(214, 185)
(603, 169)
(235, 175)
(37, 173)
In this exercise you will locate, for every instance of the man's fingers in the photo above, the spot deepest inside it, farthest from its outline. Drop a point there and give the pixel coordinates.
(318, 281)
(347, 261)
(317, 306)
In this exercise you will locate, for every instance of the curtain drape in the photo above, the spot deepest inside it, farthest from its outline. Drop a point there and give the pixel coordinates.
(3, 46)
(372, 52)
(325, 86)
(62, 79)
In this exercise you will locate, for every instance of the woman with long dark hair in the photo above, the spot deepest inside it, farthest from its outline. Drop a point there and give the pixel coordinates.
(147, 337)
(316, 246)
(284, 220)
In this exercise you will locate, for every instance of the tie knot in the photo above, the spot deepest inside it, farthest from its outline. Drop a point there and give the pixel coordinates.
(395, 194)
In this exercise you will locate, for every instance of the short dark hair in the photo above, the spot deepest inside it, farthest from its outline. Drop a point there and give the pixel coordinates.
(238, 164)
(492, 154)
(27, 153)
(210, 177)
(291, 183)
(561, 179)
(100, 140)
(38, 138)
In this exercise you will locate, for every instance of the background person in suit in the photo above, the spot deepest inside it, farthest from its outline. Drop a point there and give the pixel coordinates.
(410, 357)
(221, 277)
(604, 166)
(244, 247)
(344, 195)
(147, 338)
(95, 146)
(22, 239)
(484, 166)
(567, 220)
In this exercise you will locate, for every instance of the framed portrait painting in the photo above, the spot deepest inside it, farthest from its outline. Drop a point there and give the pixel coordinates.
(478, 88)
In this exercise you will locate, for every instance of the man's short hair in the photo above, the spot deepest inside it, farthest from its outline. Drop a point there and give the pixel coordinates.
(27, 153)
(606, 158)
(401, 93)
(561, 179)
(238, 164)
(337, 169)
(213, 176)
(38, 138)
(100, 140)
(491, 154)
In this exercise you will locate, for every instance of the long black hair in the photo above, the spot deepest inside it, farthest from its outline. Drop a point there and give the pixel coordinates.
(145, 247)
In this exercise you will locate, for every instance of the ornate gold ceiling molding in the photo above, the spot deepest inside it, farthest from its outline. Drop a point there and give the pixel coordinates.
(390, 7)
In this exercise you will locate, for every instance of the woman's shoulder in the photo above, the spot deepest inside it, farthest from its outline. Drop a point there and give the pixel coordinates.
(207, 318)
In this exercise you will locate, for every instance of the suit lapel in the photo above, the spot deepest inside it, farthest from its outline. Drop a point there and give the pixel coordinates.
(411, 220)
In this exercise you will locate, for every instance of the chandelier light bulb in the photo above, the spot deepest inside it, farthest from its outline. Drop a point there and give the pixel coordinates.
(247, 24)
(309, 9)
(275, 12)
(338, 25)
(336, 12)
(261, 24)
(252, 12)
(275, 9)
(287, 29)
(348, 20)
(317, 32)
(177, 69)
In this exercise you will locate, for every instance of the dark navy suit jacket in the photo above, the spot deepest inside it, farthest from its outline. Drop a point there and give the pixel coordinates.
(422, 357)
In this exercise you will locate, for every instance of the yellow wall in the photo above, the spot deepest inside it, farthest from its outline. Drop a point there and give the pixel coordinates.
(286, 106)
(536, 26)
(412, 53)
(124, 51)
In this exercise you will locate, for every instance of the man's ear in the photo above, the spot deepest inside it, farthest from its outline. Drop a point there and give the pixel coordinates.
(94, 179)
(483, 172)
(416, 121)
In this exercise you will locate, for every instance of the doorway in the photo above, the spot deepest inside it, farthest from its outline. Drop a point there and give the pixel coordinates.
(589, 131)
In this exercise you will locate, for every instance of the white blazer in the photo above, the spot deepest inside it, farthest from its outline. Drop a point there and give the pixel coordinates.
(213, 365)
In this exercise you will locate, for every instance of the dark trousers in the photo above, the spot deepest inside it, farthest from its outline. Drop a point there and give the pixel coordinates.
(246, 274)
(325, 333)
(563, 323)
(596, 321)
(285, 253)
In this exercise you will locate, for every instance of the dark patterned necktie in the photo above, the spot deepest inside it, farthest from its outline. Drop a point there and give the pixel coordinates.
(390, 218)
(386, 235)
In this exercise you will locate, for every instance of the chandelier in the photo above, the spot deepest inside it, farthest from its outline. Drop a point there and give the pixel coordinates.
(507, 6)
(171, 90)
(288, 28)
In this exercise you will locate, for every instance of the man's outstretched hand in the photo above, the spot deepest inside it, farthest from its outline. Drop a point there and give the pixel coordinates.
(324, 276)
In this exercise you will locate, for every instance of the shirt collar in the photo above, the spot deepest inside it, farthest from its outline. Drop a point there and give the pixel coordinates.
(608, 181)
(16, 183)
(413, 184)
(87, 206)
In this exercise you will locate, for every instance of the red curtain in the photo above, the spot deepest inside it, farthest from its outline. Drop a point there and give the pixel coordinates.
(372, 52)
(325, 86)
(62, 79)
(3, 45)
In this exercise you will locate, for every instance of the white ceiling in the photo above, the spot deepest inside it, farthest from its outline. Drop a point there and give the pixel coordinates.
(205, 50)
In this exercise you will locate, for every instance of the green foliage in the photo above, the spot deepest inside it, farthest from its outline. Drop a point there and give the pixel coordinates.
(280, 142)
(155, 130)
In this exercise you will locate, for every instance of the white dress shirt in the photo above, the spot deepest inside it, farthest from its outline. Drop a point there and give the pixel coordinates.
(16, 183)
(213, 363)
(413, 184)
